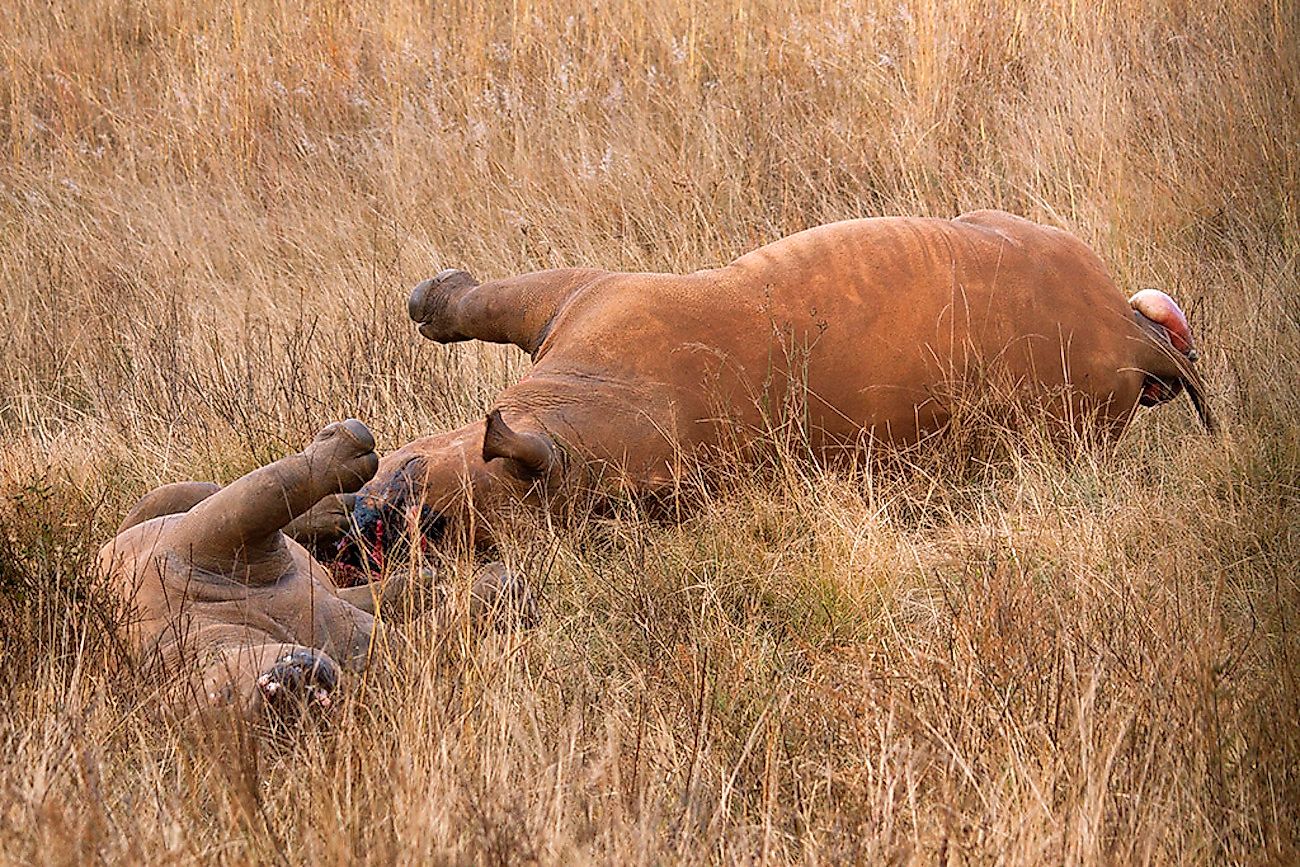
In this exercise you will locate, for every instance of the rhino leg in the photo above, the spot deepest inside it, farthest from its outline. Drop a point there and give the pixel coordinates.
(502, 598)
(317, 529)
(168, 500)
(453, 306)
(380, 597)
(243, 519)
(498, 597)
(324, 523)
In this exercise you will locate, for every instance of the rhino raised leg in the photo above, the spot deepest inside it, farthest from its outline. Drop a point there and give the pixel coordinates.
(243, 519)
(453, 306)
(319, 527)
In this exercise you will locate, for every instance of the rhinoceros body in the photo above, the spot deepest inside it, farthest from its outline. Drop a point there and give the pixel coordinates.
(228, 604)
(224, 605)
(871, 327)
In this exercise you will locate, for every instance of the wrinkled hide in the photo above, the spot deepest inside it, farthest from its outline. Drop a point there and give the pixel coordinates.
(230, 609)
(869, 326)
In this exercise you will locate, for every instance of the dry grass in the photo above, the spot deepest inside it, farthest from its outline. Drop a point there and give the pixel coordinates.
(209, 221)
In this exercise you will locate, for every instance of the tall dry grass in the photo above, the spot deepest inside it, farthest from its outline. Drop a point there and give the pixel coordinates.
(209, 220)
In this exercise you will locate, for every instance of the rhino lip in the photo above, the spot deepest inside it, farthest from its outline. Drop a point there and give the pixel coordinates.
(427, 329)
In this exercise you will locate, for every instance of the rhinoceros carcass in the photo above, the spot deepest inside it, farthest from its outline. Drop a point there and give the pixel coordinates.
(227, 605)
(873, 324)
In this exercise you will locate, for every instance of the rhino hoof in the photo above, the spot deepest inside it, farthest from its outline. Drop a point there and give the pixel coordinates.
(347, 452)
(299, 680)
(502, 598)
(350, 435)
(429, 302)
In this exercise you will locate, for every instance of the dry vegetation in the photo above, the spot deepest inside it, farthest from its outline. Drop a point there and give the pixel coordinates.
(210, 216)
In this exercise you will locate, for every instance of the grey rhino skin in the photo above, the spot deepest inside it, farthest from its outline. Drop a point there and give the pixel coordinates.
(222, 591)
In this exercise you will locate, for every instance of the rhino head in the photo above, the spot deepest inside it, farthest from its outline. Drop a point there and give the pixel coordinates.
(452, 486)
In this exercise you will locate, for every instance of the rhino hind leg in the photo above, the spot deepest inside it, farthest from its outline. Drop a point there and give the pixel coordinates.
(453, 306)
(299, 680)
(243, 520)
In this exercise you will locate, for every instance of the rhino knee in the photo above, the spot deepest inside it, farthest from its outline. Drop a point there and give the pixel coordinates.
(170, 499)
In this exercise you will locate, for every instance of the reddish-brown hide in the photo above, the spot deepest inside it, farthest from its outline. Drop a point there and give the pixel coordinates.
(880, 320)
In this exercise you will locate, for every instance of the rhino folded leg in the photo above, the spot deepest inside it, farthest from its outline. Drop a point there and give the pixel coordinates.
(501, 598)
(498, 597)
(249, 513)
(323, 525)
(453, 306)
(378, 597)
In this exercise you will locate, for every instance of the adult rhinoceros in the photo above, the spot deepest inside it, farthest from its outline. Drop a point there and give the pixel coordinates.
(881, 321)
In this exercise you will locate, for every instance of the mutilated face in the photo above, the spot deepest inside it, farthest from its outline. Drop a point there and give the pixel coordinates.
(447, 489)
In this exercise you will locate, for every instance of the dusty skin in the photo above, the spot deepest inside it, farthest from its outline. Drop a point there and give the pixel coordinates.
(225, 591)
(881, 320)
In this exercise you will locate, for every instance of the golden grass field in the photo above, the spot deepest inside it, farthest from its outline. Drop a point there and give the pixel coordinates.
(210, 218)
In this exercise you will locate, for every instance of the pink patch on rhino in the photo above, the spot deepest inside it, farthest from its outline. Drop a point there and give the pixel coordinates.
(1161, 309)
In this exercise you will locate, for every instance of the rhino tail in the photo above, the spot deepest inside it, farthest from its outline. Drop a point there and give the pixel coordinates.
(1166, 331)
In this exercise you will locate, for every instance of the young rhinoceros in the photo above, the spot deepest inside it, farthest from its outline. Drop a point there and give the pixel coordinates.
(218, 589)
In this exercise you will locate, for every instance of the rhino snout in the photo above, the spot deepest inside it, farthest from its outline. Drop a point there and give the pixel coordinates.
(385, 519)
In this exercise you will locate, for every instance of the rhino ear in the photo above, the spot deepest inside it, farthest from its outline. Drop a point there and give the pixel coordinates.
(535, 453)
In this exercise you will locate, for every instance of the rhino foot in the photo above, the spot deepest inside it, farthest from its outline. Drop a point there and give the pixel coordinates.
(298, 680)
(344, 453)
(503, 598)
(431, 301)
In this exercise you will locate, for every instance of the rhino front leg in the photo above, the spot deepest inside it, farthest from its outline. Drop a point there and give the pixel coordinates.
(323, 525)
(499, 599)
(453, 306)
(319, 527)
(243, 519)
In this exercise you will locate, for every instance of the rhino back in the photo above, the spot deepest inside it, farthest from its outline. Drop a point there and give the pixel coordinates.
(870, 314)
